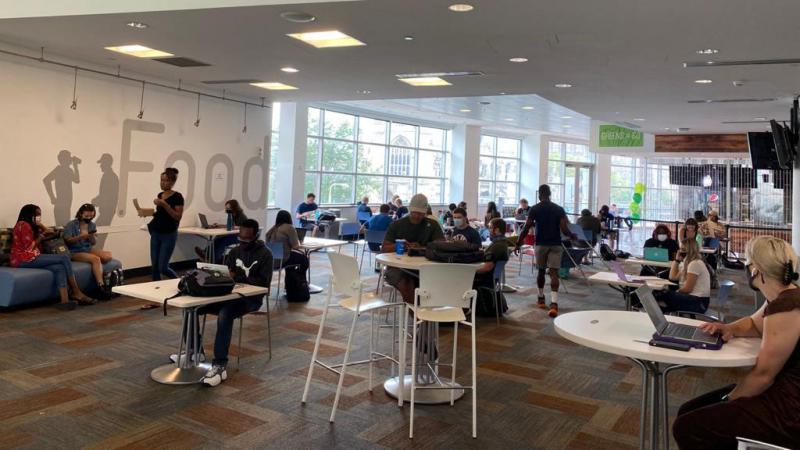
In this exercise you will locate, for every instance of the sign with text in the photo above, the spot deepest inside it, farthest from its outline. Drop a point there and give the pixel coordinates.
(616, 136)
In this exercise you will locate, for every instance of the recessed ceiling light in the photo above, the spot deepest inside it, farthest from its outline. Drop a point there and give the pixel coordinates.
(666, 129)
(137, 25)
(485, 103)
(364, 91)
(465, 110)
(460, 7)
(327, 39)
(408, 38)
(761, 118)
(502, 93)
(297, 17)
(566, 126)
(518, 60)
(566, 117)
(563, 85)
(638, 119)
(528, 108)
(139, 51)
(289, 69)
(707, 51)
(508, 119)
(425, 81)
(704, 81)
(274, 86)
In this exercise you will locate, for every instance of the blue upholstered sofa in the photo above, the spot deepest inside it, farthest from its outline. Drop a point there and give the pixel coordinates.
(21, 286)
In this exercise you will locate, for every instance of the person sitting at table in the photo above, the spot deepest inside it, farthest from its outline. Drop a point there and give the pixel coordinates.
(463, 205)
(250, 262)
(690, 272)
(417, 230)
(496, 251)
(607, 218)
(764, 405)
(378, 222)
(363, 207)
(26, 252)
(306, 211)
(400, 211)
(491, 213)
(523, 210)
(661, 238)
(591, 223)
(79, 235)
(237, 217)
(462, 231)
(690, 230)
(284, 233)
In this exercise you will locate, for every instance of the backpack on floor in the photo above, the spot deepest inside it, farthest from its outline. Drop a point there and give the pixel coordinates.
(484, 304)
(113, 279)
(606, 253)
(296, 284)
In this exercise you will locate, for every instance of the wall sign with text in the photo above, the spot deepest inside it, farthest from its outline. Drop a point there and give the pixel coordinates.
(616, 136)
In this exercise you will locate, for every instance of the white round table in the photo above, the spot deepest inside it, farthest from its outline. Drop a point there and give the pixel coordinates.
(627, 333)
(426, 360)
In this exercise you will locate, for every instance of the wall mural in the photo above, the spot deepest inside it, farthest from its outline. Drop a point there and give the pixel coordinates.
(63, 175)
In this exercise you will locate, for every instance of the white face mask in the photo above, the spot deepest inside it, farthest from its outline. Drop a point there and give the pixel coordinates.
(662, 237)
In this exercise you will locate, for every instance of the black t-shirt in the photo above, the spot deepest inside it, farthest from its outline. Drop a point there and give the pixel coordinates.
(670, 244)
(162, 222)
(547, 217)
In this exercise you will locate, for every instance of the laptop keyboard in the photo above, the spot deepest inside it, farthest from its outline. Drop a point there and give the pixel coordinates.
(689, 332)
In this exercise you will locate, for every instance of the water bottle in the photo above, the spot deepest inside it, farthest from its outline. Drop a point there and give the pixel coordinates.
(229, 223)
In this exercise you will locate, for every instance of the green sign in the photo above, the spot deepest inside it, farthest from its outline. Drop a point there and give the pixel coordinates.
(616, 136)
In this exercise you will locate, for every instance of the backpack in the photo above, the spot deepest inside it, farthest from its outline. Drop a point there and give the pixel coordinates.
(621, 255)
(458, 252)
(735, 263)
(606, 253)
(203, 283)
(296, 284)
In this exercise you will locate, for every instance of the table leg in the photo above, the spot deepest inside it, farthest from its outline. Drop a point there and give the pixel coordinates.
(210, 253)
(654, 404)
(312, 288)
(187, 369)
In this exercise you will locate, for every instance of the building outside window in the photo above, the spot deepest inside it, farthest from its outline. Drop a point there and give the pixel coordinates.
(570, 174)
(273, 152)
(350, 156)
(499, 170)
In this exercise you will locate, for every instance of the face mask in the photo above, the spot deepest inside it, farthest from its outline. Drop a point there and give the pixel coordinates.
(86, 219)
(749, 276)
(37, 220)
(458, 222)
(228, 211)
(662, 237)
(496, 237)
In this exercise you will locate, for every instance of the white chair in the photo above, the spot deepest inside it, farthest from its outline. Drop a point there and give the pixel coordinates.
(445, 290)
(345, 280)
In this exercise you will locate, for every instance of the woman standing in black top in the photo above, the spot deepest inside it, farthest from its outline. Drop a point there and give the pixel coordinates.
(164, 226)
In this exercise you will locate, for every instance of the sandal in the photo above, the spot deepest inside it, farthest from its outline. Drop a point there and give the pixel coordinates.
(85, 300)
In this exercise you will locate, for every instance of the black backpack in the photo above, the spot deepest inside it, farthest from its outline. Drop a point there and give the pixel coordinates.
(606, 253)
(203, 283)
(296, 283)
(458, 252)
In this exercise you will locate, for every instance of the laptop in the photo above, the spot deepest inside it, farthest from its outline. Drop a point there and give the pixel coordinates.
(203, 221)
(616, 266)
(656, 254)
(220, 268)
(675, 332)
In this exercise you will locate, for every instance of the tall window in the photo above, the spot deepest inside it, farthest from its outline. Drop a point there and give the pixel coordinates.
(625, 173)
(570, 174)
(273, 152)
(350, 156)
(660, 201)
(499, 170)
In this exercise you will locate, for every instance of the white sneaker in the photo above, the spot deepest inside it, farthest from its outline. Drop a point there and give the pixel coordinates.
(174, 357)
(215, 376)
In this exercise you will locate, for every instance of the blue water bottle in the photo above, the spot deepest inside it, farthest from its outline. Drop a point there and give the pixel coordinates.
(229, 223)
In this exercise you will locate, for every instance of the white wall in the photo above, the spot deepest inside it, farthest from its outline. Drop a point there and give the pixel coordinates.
(37, 124)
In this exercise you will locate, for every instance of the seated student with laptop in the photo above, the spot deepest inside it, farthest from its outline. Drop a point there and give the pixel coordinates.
(660, 247)
(667, 332)
(764, 404)
(236, 215)
(689, 270)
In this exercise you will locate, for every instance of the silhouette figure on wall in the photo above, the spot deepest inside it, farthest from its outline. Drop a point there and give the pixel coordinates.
(107, 197)
(65, 173)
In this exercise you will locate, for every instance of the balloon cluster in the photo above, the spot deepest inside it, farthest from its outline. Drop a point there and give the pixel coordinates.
(636, 204)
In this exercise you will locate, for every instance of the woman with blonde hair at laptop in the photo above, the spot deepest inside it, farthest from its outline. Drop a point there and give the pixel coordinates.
(765, 404)
(689, 270)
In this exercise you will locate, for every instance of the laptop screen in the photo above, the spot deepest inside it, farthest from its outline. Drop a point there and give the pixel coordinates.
(616, 266)
(651, 306)
(203, 220)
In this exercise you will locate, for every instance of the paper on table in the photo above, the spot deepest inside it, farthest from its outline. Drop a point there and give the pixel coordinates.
(143, 212)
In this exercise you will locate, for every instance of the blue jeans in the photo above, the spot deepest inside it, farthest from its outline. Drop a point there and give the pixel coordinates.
(60, 265)
(161, 247)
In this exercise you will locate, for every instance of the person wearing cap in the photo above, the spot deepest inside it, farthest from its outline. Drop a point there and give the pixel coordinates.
(550, 220)
(417, 230)
(712, 227)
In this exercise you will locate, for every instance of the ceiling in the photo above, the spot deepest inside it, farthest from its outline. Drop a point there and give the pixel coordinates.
(623, 57)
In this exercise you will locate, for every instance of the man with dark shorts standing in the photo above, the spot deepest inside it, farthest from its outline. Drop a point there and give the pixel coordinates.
(549, 221)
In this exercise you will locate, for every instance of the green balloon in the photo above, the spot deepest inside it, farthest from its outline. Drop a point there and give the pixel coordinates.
(637, 198)
(635, 217)
(639, 188)
(635, 208)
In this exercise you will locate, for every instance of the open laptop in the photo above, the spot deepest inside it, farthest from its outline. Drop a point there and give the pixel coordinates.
(675, 332)
(616, 266)
(220, 268)
(656, 254)
(203, 221)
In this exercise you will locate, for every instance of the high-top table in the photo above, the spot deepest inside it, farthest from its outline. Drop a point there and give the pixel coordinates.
(627, 334)
(426, 375)
(210, 235)
(187, 369)
(314, 244)
(627, 287)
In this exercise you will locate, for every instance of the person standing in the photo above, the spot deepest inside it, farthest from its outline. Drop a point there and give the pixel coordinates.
(63, 175)
(251, 263)
(690, 230)
(164, 226)
(764, 405)
(79, 235)
(549, 221)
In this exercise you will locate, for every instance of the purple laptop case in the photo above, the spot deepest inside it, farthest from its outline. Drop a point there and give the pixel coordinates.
(694, 344)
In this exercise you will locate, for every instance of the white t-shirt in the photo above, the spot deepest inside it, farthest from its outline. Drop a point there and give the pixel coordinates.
(702, 288)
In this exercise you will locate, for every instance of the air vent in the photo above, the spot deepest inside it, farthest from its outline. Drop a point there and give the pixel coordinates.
(737, 122)
(440, 74)
(752, 62)
(242, 81)
(735, 100)
(629, 125)
(181, 61)
(683, 129)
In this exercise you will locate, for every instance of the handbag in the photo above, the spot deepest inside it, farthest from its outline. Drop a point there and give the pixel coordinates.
(55, 246)
(458, 252)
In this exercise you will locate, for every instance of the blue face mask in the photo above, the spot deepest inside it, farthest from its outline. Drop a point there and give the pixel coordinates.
(458, 222)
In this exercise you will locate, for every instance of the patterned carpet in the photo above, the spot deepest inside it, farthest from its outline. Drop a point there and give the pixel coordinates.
(81, 379)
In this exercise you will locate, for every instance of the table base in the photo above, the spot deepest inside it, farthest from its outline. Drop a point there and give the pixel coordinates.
(654, 413)
(314, 289)
(422, 396)
(172, 374)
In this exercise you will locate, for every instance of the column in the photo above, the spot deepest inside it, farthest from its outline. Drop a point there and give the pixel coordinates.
(291, 166)
(602, 174)
(465, 166)
(530, 178)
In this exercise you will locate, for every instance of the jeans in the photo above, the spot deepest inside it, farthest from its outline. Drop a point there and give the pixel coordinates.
(161, 247)
(60, 265)
(226, 313)
(676, 301)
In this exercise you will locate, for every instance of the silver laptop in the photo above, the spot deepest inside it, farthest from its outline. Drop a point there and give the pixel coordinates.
(617, 267)
(220, 268)
(203, 221)
(674, 332)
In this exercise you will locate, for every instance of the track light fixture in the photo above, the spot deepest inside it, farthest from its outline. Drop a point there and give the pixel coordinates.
(244, 128)
(197, 122)
(74, 104)
(141, 103)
